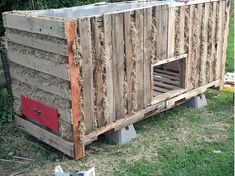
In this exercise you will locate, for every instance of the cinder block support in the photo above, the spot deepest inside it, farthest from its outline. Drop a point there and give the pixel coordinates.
(123, 135)
(197, 102)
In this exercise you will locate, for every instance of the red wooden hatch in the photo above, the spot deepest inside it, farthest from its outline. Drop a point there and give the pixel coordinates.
(39, 112)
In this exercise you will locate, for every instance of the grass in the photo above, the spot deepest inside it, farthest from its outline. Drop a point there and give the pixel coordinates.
(230, 47)
(181, 141)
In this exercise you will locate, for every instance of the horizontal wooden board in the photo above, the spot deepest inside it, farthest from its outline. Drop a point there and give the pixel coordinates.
(45, 136)
(39, 25)
(38, 63)
(41, 80)
(38, 43)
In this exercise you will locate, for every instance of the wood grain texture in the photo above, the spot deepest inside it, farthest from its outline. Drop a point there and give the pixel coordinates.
(109, 66)
(45, 136)
(98, 73)
(147, 55)
(87, 72)
(226, 15)
(139, 58)
(39, 25)
(37, 43)
(171, 32)
(129, 56)
(71, 34)
(118, 65)
(204, 44)
(163, 32)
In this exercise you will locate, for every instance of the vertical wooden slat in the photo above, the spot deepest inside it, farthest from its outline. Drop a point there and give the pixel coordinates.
(219, 40)
(171, 32)
(147, 55)
(129, 55)
(157, 33)
(98, 73)
(70, 33)
(226, 6)
(87, 72)
(198, 43)
(109, 64)
(204, 36)
(118, 65)
(212, 40)
(163, 32)
(181, 34)
(190, 45)
(139, 59)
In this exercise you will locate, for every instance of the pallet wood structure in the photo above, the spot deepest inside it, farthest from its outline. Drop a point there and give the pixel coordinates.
(79, 72)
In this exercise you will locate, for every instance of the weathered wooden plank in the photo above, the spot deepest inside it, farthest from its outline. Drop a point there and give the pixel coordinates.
(87, 72)
(212, 40)
(219, 39)
(226, 15)
(41, 80)
(129, 57)
(181, 32)
(39, 25)
(167, 76)
(156, 33)
(118, 64)
(163, 32)
(98, 73)
(166, 72)
(109, 68)
(204, 44)
(71, 34)
(160, 89)
(171, 32)
(37, 43)
(147, 55)
(166, 80)
(198, 14)
(45, 136)
(164, 85)
(38, 63)
(139, 58)
(175, 58)
(190, 14)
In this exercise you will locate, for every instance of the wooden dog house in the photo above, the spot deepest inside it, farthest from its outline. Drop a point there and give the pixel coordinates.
(79, 72)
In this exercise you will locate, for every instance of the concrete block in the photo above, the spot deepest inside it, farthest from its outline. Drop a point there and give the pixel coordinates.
(197, 102)
(123, 135)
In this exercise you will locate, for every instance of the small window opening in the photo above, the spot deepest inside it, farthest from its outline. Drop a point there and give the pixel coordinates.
(168, 78)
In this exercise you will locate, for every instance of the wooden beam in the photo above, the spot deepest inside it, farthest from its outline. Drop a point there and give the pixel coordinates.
(39, 25)
(37, 43)
(147, 55)
(171, 59)
(38, 63)
(225, 37)
(109, 66)
(71, 34)
(45, 136)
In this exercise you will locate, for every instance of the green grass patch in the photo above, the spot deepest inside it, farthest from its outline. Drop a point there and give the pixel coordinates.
(229, 67)
(188, 141)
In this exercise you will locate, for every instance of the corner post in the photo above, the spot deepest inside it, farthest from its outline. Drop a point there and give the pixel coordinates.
(70, 34)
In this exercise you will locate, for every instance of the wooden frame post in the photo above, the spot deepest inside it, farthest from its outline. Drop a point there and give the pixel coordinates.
(71, 33)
